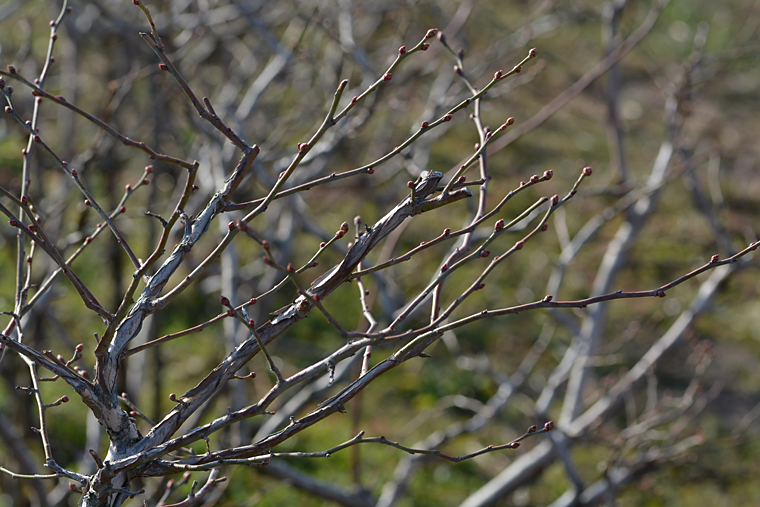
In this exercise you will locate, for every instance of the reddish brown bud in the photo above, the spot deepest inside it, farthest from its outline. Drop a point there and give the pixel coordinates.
(480, 286)
(9, 90)
(555, 199)
(714, 258)
(424, 46)
(447, 117)
(11, 69)
(499, 225)
(424, 125)
(87, 202)
(660, 294)
(548, 174)
(519, 245)
(37, 139)
(441, 37)
(291, 268)
(410, 184)
(149, 169)
(532, 53)
(446, 231)
(344, 227)
(54, 37)
(128, 187)
(534, 179)
(533, 429)
(518, 70)
(265, 245)
(457, 70)
(74, 173)
(24, 199)
(123, 209)
(224, 300)
(498, 74)
(64, 399)
(69, 10)
(545, 227)
(267, 260)
(461, 53)
(8, 110)
(252, 301)
(510, 120)
(461, 179)
(32, 227)
(431, 33)
(163, 66)
(230, 313)
(485, 253)
(136, 2)
(303, 147)
(388, 76)
(370, 170)
(402, 50)
(587, 171)
(88, 240)
(444, 268)
(339, 234)
(146, 181)
(353, 100)
(12, 223)
(322, 244)
(73, 487)
(548, 298)
(251, 323)
(79, 347)
(514, 445)
(549, 426)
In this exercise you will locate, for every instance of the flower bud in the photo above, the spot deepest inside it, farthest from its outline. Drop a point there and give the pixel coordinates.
(231, 226)
(402, 50)
(424, 46)
(548, 174)
(163, 66)
(587, 171)
(370, 170)
(518, 70)
(549, 426)
(533, 429)
(424, 125)
(499, 225)
(388, 76)
(498, 74)
(534, 179)
(714, 258)
(431, 33)
(123, 209)
(555, 199)
(344, 227)
(447, 117)
(485, 253)
(224, 300)
(519, 245)
(532, 53)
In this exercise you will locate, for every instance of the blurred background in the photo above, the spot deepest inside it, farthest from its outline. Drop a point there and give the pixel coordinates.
(668, 123)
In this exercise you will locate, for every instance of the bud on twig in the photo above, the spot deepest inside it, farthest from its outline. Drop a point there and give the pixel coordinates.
(447, 117)
(532, 53)
(548, 174)
(402, 50)
(499, 225)
(431, 33)
(555, 199)
(587, 171)
(388, 76)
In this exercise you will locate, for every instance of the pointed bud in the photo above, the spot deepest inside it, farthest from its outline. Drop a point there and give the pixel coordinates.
(431, 33)
(424, 46)
(548, 298)
(344, 227)
(555, 199)
(499, 225)
(510, 120)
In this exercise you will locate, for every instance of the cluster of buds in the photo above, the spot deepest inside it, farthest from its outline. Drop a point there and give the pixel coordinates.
(342, 231)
